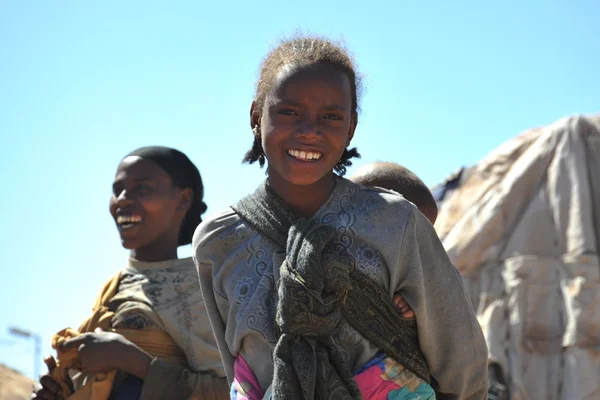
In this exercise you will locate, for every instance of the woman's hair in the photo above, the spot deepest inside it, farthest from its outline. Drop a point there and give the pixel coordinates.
(184, 174)
(301, 51)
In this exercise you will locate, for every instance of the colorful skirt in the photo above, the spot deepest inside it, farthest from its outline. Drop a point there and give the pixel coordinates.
(380, 379)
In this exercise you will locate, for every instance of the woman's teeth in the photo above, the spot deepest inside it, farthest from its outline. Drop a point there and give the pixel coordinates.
(127, 221)
(304, 155)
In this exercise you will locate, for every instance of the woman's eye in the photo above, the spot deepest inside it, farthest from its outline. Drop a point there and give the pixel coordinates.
(287, 112)
(334, 117)
(143, 188)
(117, 189)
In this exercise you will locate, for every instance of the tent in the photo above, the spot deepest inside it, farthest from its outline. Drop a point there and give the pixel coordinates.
(523, 227)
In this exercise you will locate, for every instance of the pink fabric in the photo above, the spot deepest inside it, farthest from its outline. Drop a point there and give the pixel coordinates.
(371, 385)
(244, 386)
(385, 379)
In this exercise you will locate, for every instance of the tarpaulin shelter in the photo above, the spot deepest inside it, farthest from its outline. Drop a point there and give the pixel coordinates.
(523, 227)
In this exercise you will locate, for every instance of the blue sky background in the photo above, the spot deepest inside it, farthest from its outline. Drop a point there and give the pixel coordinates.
(82, 84)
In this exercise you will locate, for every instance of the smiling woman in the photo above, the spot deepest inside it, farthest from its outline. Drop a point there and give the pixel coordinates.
(156, 203)
(149, 330)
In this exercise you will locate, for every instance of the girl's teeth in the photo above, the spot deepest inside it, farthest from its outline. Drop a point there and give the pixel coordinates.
(303, 155)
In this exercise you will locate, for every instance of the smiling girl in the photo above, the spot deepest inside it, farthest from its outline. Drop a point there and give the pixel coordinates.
(298, 278)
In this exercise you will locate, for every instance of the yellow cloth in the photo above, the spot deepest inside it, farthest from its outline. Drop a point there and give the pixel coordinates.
(154, 341)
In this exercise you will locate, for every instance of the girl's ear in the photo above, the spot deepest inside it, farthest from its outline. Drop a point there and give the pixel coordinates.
(352, 128)
(254, 115)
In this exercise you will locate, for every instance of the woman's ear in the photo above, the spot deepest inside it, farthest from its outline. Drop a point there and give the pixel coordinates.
(185, 202)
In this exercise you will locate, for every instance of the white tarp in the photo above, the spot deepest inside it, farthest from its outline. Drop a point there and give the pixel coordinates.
(524, 230)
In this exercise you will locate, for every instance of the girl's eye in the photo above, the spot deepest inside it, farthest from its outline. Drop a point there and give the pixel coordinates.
(334, 117)
(287, 112)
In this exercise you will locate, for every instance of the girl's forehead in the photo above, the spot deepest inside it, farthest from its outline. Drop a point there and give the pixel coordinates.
(289, 73)
(292, 80)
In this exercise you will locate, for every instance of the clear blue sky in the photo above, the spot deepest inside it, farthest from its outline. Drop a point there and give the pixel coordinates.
(83, 83)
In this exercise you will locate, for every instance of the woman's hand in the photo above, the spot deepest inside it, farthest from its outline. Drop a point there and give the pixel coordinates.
(50, 388)
(104, 351)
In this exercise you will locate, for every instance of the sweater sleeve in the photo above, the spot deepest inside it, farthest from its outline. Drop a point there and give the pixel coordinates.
(449, 333)
(217, 323)
(168, 381)
(208, 252)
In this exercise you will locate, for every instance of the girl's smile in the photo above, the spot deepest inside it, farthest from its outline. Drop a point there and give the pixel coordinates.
(305, 155)
(306, 123)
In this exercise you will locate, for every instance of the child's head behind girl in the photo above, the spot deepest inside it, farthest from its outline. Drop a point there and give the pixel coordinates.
(156, 202)
(303, 118)
(400, 179)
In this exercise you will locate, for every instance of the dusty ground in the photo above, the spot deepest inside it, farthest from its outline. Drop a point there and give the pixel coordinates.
(13, 385)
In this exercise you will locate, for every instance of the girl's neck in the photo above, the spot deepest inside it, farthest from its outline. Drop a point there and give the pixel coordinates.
(304, 201)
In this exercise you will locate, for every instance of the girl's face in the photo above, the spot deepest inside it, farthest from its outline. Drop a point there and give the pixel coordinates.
(306, 123)
(146, 207)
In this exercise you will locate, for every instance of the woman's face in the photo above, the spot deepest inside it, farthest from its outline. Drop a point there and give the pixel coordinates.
(146, 206)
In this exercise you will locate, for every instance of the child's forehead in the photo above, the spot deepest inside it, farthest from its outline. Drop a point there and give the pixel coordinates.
(297, 80)
(292, 73)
